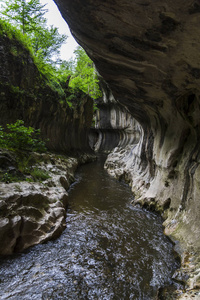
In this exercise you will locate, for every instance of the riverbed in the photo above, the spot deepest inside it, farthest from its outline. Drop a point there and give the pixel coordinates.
(109, 250)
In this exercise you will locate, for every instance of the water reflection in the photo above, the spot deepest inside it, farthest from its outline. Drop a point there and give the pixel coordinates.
(109, 250)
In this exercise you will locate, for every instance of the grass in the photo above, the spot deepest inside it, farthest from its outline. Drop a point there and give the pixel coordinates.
(46, 70)
(39, 174)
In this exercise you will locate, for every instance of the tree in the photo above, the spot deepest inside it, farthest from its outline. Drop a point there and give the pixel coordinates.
(46, 43)
(19, 137)
(85, 75)
(28, 16)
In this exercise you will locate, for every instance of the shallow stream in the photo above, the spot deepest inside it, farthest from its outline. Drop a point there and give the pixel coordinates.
(109, 249)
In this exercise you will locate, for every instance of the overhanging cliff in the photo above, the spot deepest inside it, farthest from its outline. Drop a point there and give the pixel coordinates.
(148, 53)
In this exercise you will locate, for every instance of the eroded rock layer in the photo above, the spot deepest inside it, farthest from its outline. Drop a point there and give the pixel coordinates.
(148, 53)
(114, 127)
(32, 212)
(35, 212)
(26, 94)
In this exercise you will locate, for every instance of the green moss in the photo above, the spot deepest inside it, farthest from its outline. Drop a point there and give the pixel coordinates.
(39, 174)
(8, 178)
(42, 81)
(16, 90)
(14, 50)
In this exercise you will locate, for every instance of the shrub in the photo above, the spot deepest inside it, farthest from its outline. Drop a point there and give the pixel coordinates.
(39, 175)
(20, 137)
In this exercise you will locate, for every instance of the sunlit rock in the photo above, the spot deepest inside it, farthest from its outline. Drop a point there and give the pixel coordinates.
(35, 212)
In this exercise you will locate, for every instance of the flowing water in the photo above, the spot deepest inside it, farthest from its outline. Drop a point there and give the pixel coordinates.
(109, 249)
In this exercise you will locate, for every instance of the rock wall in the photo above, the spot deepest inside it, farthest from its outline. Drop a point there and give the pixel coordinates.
(31, 212)
(27, 94)
(148, 53)
(114, 125)
(35, 212)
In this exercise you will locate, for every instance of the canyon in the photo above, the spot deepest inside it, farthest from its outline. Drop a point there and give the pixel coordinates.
(148, 54)
(33, 212)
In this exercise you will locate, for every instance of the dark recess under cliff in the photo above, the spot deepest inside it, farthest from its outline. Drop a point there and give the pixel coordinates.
(149, 54)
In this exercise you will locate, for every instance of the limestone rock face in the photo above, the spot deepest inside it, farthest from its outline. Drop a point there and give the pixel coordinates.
(35, 212)
(27, 95)
(114, 127)
(149, 54)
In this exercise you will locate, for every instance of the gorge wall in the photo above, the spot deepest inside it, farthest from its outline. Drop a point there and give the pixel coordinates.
(32, 210)
(28, 95)
(148, 53)
(114, 125)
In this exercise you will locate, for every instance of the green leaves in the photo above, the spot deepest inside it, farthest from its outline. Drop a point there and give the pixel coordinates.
(83, 74)
(19, 137)
(28, 16)
(46, 43)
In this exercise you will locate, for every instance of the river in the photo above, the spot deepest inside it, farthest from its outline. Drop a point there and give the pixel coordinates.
(109, 250)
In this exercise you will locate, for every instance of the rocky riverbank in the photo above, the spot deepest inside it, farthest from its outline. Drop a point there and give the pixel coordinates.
(33, 207)
(148, 53)
(33, 187)
(124, 164)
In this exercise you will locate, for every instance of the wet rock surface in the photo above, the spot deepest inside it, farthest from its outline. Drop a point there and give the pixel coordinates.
(114, 127)
(35, 212)
(148, 53)
(109, 249)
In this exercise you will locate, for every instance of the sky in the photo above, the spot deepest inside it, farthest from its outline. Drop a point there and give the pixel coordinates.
(54, 18)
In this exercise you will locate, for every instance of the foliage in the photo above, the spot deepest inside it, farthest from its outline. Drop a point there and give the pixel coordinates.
(7, 178)
(24, 171)
(39, 174)
(46, 69)
(67, 77)
(28, 17)
(7, 29)
(19, 137)
(24, 162)
(46, 43)
(83, 74)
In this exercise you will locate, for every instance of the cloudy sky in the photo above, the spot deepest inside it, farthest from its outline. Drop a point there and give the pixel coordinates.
(54, 18)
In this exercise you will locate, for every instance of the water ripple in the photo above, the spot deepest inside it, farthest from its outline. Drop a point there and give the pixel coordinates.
(109, 249)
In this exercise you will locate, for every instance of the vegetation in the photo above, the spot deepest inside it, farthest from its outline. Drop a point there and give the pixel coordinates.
(19, 137)
(82, 74)
(33, 175)
(26, 22)
(23, 23)
(28, 17)
(6, 177)
(39, 174)
(24, 166)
